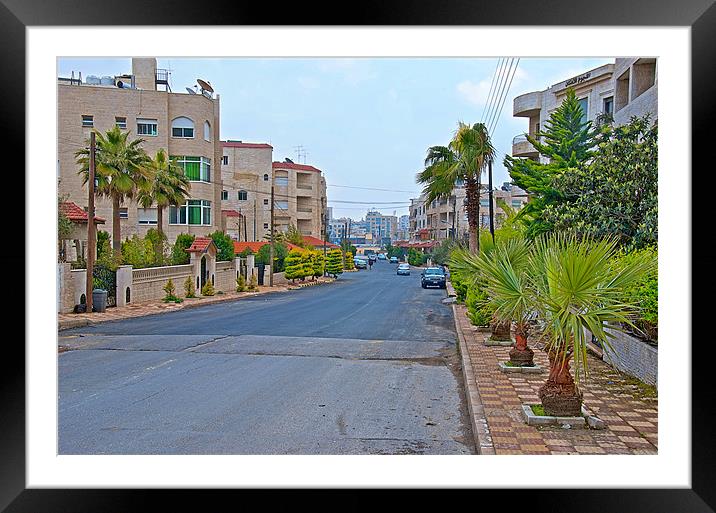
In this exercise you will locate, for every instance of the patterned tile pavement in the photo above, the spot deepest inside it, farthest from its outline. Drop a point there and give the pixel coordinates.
(630, 414)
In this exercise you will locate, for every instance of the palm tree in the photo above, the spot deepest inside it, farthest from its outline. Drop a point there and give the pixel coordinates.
(120, 171)
(168, 186)
(577, 286)
(464, 159)
(502, 272)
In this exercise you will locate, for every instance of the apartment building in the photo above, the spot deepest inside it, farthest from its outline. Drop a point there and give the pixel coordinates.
(247, 175)
(447, 217)
(141, 102)
(300, 197)
(595, 93)
(626, 88)
(381, 226)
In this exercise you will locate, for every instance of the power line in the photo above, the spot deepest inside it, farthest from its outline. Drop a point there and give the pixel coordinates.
(502, 104)
(492, 83)
(497, 78)
(501, 92)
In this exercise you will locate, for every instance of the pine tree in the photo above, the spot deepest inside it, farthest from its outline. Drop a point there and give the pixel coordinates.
(318, 264)
(306, 264)
(348, 261)
(334, 262)
(567, 141)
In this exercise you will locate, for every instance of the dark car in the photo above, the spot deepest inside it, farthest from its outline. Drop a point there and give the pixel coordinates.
(433, 277)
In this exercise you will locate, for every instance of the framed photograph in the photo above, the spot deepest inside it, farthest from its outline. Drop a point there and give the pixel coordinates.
(296, 124)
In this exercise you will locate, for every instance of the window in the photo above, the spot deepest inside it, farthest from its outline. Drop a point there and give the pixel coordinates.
(283, 205)
(281, 181)
(266, 178)
(265, 226)
(243, 196)
(484, 203)
(225, 160)
(147, 215)
(183, 127)
(123, 213)
(87, 121)
(516, 203)
(608, 105)
(207, 131)
(147, 127)
(224, 195)
(121, 122)
(193, 212)
(196, 169)
(265, 202)
(584, 103)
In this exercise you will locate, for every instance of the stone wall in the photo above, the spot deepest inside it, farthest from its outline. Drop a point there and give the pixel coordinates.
(633, 356)
(225, 279)
(148, 284)
(65, 288)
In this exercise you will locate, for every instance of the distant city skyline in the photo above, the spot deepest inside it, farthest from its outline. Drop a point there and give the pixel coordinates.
(365, 122)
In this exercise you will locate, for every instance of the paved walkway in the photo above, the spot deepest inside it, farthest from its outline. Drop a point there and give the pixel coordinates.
(72, 320)
(626, 407)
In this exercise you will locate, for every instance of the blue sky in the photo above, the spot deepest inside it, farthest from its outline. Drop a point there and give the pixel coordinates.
(366, 122)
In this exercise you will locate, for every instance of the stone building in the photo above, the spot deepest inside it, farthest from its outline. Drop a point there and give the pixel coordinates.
(247, 175)
(300, 197)
(185, 125)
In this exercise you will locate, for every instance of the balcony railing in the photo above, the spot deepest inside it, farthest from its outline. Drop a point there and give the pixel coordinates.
(519, 139)
(304, 186)
(305, 209)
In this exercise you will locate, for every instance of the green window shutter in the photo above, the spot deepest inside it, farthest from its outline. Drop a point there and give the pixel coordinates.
(194, 212)
(192, 170)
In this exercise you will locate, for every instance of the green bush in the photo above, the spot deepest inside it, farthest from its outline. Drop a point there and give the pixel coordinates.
(416, 258)
(224, 246)
(334, 262)
(306, 264)
(459, 285)
(253, 283)
(138, 252)
(294, 265)
(208, 289)
(318, 264)
(348, 264)
(478, 307)
(179, 255)
(645, 294)
(158, 240)
(240, 283)
(280, 253)
(246, 252)
(189, 290)
(170, 291)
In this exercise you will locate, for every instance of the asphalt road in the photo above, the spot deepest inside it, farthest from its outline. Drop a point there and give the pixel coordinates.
(365, 365)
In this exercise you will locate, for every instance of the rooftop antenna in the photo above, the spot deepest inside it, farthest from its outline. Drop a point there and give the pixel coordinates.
(300, 153)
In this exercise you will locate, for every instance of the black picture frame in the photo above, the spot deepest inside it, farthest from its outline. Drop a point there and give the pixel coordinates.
(700, 15)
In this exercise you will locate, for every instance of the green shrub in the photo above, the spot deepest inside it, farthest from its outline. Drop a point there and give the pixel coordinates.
(189, 290)
(158, 240)
(253, 283)
(478, 307)
(306, 264)
(224, 246)
(280, 253)
(246, 252)
(170, 291)
(459, 285)
(416, 258)
(294, 265)
(645, 294)
(138, 252)
(334, 262)
(348, 264)
(208, 289)
(240, 283)
(179, 255)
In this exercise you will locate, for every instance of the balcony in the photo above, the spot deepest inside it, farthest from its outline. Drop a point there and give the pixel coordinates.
(521, 147)
(304, 186)
(527, 105)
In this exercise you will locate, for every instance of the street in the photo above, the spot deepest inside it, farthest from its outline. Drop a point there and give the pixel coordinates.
(365, 365)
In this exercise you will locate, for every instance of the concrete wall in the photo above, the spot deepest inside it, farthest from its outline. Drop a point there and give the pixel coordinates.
(633, 356)
(225, 278)
(65, 288)
(148, 284)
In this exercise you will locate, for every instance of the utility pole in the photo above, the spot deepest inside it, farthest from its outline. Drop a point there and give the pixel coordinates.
(325, 232)
(255, 218)
(91, 235)
(492, 213)
(454, 213)
(271, 258)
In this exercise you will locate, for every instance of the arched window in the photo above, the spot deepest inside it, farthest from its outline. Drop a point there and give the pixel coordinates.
(265, 178)
(183, 127)
(207, 131)
(243, 195)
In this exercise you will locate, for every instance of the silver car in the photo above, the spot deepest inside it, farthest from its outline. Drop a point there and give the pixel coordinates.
(404, 269)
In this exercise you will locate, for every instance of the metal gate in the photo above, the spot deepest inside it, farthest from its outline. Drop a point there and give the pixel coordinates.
(106, 279)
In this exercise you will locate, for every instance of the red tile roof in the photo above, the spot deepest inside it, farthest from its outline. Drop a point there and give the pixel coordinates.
(419, 245)
(76, 214)
(230, 213)
(239, 144)
(299, 167)
(200, 245)
(256, 246)
(316, 242)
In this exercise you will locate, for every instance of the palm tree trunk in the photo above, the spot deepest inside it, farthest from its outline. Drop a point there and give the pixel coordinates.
(160, 222)
(560, 395)
(473, 213)
(521, 355)
(116, 227)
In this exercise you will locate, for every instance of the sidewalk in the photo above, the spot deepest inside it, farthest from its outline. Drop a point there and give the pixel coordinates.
(495, 397)
(72, 320)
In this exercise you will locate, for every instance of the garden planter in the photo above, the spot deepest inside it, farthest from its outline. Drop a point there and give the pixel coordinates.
(520, 354)
(501, 332)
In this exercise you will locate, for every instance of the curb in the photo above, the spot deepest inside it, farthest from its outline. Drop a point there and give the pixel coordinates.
(480, 428)
(80, 323)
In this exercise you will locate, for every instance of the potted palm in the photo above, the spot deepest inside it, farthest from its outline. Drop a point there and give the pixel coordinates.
(578, 287)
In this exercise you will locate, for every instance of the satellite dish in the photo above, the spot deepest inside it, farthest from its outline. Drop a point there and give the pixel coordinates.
(204, 85)
(190, 90)
(289, 160)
